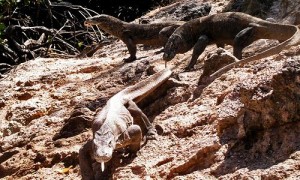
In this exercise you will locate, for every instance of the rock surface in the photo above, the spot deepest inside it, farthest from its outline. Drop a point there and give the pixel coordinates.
(243, 125)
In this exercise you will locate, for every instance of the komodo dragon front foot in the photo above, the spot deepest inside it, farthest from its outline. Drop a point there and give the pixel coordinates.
(189, 69)
(129, 59)
(132, 139)
(138, 115)
(151, 134)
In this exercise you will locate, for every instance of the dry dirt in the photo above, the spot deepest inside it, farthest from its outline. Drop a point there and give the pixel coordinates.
(244, 125)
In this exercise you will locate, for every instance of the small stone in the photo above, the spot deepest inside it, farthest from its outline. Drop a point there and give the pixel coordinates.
(2, 103)
(23, 96)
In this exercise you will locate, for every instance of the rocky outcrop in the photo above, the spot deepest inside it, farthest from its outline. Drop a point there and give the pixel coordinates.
(259, 119)
(214, 61)
(244, 124)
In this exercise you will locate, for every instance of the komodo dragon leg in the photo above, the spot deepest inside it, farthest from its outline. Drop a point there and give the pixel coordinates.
(85, 161)
(131, 138)
(131, 46)
(135, 134)
(138, 115)
(199, 47)
(241, 40)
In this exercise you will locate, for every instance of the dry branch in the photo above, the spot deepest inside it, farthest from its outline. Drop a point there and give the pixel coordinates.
(27, 35)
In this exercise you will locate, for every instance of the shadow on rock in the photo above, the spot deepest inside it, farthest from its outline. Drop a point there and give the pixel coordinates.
(266, 129)
(119, 159)
(81, 119)
(261, 149)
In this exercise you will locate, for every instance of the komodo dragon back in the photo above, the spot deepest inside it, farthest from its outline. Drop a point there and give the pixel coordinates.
(140, 90)
(292, 41)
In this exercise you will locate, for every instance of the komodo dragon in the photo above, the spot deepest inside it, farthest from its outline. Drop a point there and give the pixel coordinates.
(292, 41)
(115, 125)
(155, 34)
(232, 28)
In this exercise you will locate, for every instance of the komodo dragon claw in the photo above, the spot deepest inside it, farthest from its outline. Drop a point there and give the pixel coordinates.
(152, 134)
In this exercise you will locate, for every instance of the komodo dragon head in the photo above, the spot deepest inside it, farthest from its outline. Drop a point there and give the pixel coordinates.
(105, 22)
(97, 20)
(172, 47)
(104, 143)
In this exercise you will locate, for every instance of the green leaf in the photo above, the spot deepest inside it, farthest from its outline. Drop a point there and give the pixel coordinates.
(2, 26)
(80, 44)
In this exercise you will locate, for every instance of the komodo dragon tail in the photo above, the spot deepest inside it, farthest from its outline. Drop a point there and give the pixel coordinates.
(143, 88)
(292, 41)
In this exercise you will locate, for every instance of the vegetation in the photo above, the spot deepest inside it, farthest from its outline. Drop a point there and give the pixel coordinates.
(44, 28)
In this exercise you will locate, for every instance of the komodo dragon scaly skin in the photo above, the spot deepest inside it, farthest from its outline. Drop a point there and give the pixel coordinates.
(115, 126)
(155, 34)
(232, 28)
